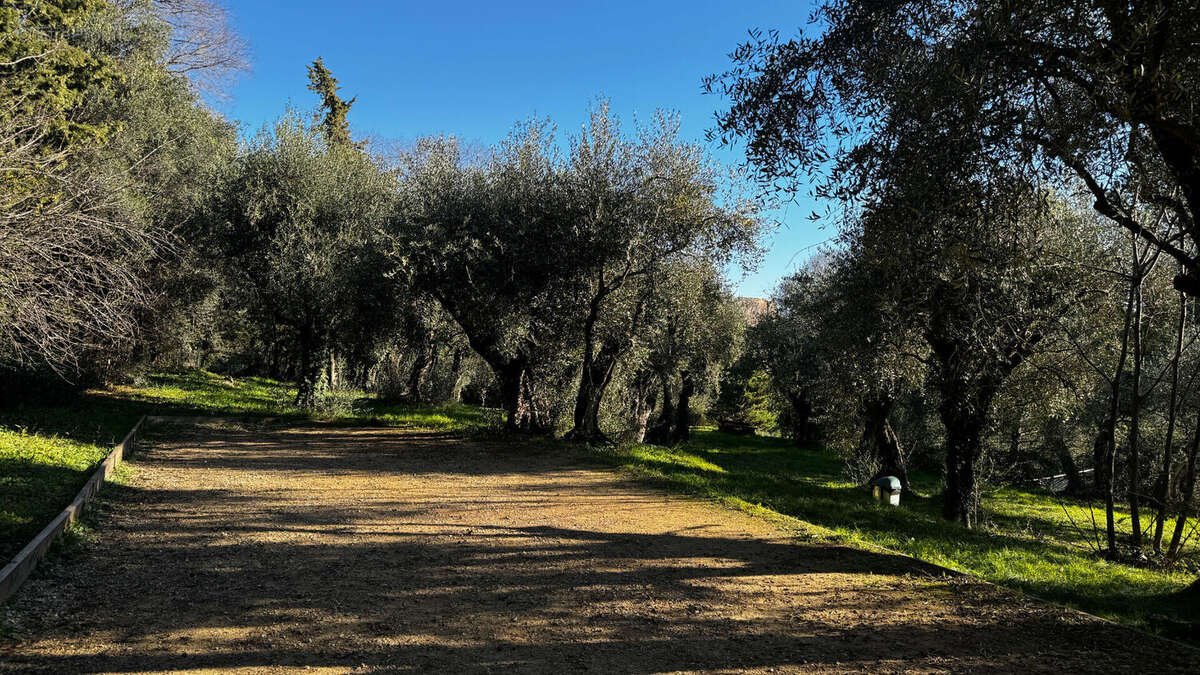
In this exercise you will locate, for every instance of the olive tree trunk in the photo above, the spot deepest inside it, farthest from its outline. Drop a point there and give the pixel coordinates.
(965, 418)
(511, 377)
(1104, 449)
(1052, 433)
(803, 429)
(967, 381)
(660, 432)
(879, 439)
(594, 379)
(419, 373)
(1162, 488)
(1134, 465)
(683, 412)
(310, 368)
(598, 366)
(1186, 496)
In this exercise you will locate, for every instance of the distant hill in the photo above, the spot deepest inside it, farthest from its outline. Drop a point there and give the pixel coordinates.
(755, 309)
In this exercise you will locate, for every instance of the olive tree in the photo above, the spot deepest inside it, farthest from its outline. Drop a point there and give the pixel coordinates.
(981, 266)
(484, 236)
(694, 329)
(787, 343)
(1102, 92)
(173, 152)
(647, 200)
(838, 342)
(919, 121)
(302, 218)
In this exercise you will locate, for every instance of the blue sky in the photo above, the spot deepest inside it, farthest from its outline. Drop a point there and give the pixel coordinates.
(474, 68)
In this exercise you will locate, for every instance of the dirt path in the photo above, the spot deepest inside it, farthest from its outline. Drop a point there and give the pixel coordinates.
(351, 550)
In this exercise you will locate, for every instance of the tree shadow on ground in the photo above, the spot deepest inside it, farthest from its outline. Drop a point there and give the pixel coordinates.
(33, 490)
(255, 546)
(803, 484)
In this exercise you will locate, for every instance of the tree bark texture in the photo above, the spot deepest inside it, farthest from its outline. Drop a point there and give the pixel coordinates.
(683, 411)
(879, 440)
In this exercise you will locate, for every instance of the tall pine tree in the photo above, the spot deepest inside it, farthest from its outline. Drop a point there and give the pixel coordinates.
(335, 126)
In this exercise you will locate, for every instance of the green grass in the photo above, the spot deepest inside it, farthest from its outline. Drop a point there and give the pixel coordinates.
(48, 452)
(1028, 541)
(199, 391)
(450, 417)
(39, 475)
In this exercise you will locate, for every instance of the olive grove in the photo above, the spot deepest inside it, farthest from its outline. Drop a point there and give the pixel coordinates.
(1015, 188)
(550, 276)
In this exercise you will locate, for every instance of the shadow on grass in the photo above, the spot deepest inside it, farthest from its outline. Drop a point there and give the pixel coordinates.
(35, 486)
(31, 494)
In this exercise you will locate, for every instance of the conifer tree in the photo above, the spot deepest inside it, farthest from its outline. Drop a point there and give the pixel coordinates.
(334, 125)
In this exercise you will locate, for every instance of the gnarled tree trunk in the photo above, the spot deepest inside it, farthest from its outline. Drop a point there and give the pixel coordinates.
(415, 391)
(597, 369)
(511, 367)
(1052, 432)
(879, 439)
(683, 411)
(594, 379)
(967, 383)
(803, 429)
(641, 417)
(641, 405)
(964, 419)
(660, 432)
(456, 383)
(511, 378)
(1187, 494)
(310, 368)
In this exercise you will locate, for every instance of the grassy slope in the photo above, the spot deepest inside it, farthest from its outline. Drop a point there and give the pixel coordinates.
(47, 453)
(1028, 543)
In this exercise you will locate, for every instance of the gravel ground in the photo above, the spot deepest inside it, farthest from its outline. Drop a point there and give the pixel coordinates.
(248, 548)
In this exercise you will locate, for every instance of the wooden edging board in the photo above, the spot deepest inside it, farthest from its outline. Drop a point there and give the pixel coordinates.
(22, 565)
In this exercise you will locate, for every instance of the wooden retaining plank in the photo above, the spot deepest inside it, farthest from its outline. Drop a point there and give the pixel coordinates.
(22, 565)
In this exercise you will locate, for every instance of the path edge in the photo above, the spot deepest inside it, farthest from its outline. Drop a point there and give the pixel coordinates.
(22, 565)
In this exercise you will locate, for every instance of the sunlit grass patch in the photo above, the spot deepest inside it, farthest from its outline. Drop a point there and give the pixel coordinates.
(454, 417)
(650, 454)
(203, 391)
(39, 475)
